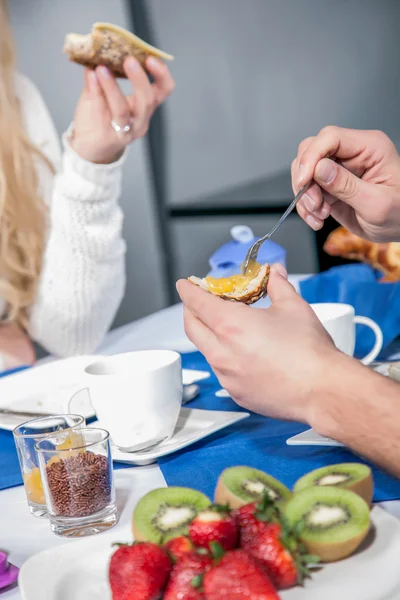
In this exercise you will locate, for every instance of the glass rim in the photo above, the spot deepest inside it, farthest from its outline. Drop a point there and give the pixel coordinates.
(105, 438)
(18, 434)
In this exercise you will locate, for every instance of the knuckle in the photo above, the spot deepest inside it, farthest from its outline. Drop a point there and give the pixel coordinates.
(217, 360)
(228, 329)
(170, 87)
(122, 116)
(329, 131)
(381, 216)
(347, 186)
(380, 137)
(304, 144)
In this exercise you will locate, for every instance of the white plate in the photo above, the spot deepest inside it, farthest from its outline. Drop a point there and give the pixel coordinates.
(193, 425)
(78, 570)
(47, 389)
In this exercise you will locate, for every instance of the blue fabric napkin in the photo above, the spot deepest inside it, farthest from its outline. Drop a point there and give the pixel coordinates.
(257, 442)
(359, 286)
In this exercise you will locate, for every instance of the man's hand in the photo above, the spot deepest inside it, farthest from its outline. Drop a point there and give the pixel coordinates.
(281, 362)
(270, 360)
(357, 181)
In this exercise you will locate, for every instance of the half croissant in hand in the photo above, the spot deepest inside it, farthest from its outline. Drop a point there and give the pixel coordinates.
(383, 257)
(109, 45)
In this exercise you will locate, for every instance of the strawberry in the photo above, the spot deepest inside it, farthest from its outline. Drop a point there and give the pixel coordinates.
(283, 567)
(248, 523)
(187, 577)
(139, 572)
(238, 576)
(253, 518)
(214, 524)
(265, 535)
(178, 547)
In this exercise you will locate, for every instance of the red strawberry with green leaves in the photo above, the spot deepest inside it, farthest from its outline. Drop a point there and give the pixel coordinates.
(139, 572)
(253, 518)
(178, 547)
(266, 536)
(186, 582)
(215, 524)
(238, 576)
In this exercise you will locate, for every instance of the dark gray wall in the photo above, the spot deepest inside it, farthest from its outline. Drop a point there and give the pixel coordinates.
(253, 78)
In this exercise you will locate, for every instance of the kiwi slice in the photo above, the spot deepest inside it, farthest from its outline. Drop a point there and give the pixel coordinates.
(350, 476)
(238, 486)
(334, 521)
(165, 513)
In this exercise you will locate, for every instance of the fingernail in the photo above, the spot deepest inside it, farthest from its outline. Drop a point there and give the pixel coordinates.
(281, 270)
(309, 202)
(301, 173)
(104, 72)
(132, 64)
(325, 210)
(314, 222)
(152, 62)
(326, 170)
(93, 81)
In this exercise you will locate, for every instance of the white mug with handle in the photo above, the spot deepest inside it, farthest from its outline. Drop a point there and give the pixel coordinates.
(137, 396)
(340, 322)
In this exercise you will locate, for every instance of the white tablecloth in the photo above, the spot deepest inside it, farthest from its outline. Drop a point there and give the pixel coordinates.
(23, 535)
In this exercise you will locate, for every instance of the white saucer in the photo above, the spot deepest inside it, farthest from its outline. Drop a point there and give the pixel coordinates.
(193, 425)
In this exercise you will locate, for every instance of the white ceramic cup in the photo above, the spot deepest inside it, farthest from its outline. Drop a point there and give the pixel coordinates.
(137, 396)
(340, 322)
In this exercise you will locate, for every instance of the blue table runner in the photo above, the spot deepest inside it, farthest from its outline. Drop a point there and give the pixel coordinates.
(258, 442)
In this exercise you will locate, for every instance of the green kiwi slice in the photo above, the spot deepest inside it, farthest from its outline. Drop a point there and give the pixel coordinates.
(333, 521)
(350, 476)
(238, 486)
(165, 513)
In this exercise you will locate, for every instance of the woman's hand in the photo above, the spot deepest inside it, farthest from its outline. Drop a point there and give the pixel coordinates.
(357, 181)
(103, 103)
(16, 348)
(273, 361)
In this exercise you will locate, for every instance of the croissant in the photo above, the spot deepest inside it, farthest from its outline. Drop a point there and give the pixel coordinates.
(383, 257)
(109, 45)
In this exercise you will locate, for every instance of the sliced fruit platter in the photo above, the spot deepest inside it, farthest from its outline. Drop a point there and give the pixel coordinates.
(256, 539)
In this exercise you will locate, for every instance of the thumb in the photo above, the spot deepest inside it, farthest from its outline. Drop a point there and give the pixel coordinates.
(340, 183)
(278, 286)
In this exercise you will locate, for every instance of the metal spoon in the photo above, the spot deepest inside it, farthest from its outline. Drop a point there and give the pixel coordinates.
(253, 251)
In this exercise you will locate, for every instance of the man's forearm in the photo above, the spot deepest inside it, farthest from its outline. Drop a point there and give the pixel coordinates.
(360, 409)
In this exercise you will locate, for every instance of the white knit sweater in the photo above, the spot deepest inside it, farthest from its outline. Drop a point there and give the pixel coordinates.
(83, 277)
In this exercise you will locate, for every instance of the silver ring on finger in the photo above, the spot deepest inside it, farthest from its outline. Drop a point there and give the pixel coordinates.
(121, 128)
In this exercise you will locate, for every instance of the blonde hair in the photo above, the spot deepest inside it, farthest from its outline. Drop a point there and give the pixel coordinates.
(23, 220)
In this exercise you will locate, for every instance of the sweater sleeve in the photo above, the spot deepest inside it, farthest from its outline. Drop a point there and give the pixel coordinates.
(83, 276)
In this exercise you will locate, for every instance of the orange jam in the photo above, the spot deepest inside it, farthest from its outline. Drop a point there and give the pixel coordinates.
(234, 283)
(34, 487)
(32, 480)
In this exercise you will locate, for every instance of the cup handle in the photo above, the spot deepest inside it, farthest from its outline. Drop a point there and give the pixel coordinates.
(378, 338)
(75, 398)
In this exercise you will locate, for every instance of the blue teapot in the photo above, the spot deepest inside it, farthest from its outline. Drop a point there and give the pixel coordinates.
(227, 260)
